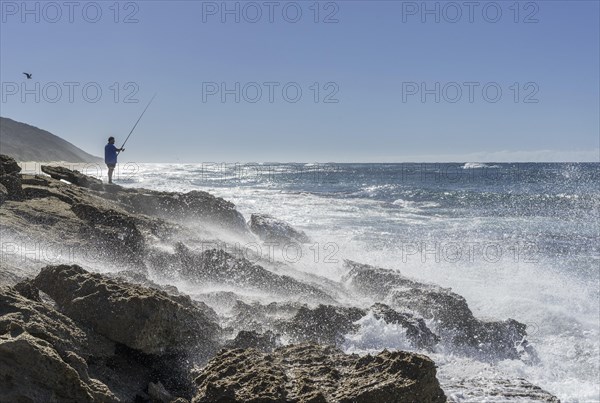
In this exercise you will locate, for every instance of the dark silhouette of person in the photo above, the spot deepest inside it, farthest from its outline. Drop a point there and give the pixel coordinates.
(110, 156)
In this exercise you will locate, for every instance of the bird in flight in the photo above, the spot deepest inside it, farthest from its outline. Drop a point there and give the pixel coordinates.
(28, 75)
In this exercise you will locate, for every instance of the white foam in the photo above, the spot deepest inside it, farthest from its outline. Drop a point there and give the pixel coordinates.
(561, 310)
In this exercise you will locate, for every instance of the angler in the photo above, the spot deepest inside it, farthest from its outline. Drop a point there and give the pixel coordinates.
(111, 151)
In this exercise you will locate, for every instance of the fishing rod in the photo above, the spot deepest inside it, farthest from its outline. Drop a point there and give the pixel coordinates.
(138, 121)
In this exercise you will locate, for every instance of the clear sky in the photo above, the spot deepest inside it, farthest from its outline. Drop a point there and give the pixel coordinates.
(487, 81)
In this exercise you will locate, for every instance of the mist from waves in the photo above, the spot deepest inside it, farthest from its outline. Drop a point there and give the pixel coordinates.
(517, 241)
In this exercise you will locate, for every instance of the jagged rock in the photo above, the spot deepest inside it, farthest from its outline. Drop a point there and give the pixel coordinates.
(46, 231)
(265, 342)
(194, 205)
(219, 267)
(454, 321)
(116, 230)
(27, 289)
(269, 228)
(37, 192)
(325, 324)
(25, 358)
(19, 314)
(416, 329)
(8, 165)
(97, 226)
(42, 354)
(141, 278)
(13, 187)
(312, 373)
(35, 180)
(191, 205)
(496, 390)
(37, 187)
(262, 318)
(74, 177)
(375, 282)
(143, 319)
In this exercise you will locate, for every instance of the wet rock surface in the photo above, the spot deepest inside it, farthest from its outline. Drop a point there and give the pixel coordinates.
(327, 324)
(416, 330)
(46, 355)
(453, 320)
(313, 373)
(163, 323)
(74, 177)
(220, 267)
(24, 358)
(270, 229)
(477, 390)
(100, 222)
(8, 165)
(194, 206)
(11, 187)
(42, 354)
(265, 342)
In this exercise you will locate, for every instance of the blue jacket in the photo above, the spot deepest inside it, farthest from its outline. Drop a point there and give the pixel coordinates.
(110, 154)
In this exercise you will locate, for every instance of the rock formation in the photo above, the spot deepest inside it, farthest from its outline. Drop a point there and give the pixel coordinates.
(313, 373)
(131, 335)
(454, 322)
(268, 228)
(140, 318)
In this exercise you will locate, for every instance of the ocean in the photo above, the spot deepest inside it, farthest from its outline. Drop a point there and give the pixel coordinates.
(517, 241)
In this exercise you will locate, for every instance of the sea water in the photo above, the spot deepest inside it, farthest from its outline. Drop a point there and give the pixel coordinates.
(518, 241)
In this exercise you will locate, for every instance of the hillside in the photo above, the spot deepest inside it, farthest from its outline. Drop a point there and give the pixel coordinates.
(24, 142)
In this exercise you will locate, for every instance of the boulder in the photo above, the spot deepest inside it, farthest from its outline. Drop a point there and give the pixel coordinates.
(215, 266)
(19, 314)
(326, 324)
(114, 229)
(269, 228)
(143, 319)
(42, 353)
(194, 205)
(452, 318)
(8, 165)
(12, 187)
(313, 373)
(375, 282)
(457, 324)
(32, 370)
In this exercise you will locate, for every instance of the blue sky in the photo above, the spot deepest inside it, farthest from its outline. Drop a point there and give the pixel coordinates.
(408, 87)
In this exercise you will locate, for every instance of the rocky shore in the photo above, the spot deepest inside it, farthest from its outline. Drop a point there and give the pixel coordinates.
(113, 294)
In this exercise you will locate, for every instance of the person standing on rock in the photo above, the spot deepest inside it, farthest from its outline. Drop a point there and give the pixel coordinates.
(110, 156)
